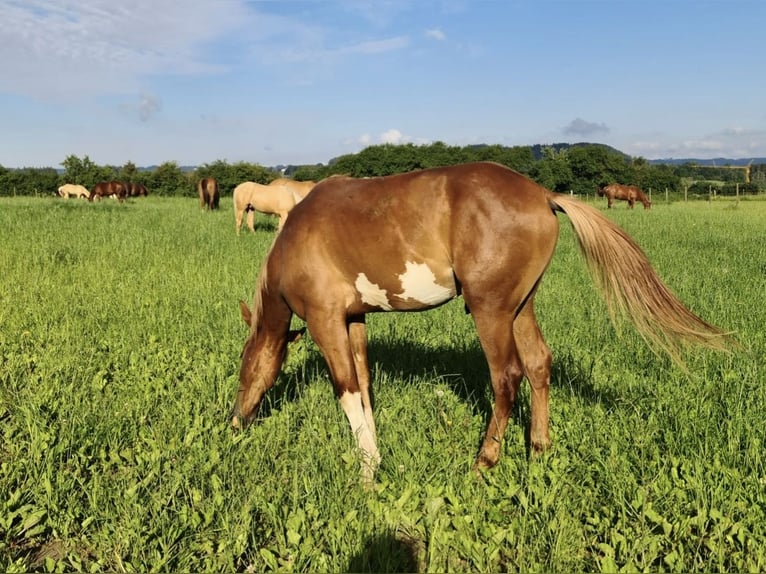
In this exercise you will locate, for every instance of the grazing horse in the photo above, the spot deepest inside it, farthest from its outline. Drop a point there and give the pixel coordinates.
(116, 189)
(414, 241)
(207, 188)
(136, 190)
(71, 190)
(629, 193)
(277, 198)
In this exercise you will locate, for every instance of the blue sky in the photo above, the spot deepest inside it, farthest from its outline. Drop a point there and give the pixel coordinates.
(303, 81)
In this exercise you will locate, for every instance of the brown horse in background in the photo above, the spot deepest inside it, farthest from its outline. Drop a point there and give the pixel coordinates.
(136, 190)
(414, 241)
(629, 193)
(115, 189)
(209, 197)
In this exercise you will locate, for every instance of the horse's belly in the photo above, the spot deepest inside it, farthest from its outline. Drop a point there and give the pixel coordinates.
(419, 287)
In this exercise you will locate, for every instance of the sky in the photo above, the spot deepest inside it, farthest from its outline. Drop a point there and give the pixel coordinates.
(304, 81)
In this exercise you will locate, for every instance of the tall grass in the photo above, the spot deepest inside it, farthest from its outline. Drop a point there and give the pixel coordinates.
(120, 339)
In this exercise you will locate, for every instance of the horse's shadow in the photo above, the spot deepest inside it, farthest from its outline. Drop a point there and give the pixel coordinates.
(463, 369)
(389, 552)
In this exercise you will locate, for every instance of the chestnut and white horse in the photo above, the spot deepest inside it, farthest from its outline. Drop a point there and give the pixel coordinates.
(417, 240)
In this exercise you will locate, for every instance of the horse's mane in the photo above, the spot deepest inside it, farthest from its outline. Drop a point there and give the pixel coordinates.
(261, 288)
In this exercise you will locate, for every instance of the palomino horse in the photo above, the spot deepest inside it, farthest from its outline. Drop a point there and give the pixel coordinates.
(629, 193)
(207, 188)
(414, 241)
(277, 198)
(71, 190)
(299, 189)
(116, 189)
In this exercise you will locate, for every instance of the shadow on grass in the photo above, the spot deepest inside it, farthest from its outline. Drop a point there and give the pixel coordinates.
(388, 553)
(463, 369)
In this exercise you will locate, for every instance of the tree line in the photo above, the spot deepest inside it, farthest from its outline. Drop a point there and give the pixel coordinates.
(579, 169)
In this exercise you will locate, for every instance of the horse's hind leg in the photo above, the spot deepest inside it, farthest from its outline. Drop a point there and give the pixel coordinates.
(251, 219)
(536, 358)
(496, 335)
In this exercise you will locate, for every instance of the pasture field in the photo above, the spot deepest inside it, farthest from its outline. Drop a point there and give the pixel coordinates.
(120, 339)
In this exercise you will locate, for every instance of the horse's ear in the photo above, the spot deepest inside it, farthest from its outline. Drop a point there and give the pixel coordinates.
(247, 316)
(295, 335)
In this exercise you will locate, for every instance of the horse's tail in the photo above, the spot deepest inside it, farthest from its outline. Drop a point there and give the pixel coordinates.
(632, 287)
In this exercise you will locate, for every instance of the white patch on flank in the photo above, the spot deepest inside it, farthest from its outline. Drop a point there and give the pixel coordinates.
(419, 283)
(371, 293)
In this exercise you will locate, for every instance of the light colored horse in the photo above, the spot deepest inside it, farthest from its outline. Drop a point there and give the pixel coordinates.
(300, 189)
(73, 190)
(414, 241)
(277, 198)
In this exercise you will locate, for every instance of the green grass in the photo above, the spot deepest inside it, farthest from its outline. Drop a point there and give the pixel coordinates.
(120, 339)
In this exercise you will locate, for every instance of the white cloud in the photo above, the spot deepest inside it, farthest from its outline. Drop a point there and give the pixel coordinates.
(393, 136)
(87, 47)
(436, 34)
(578, 127)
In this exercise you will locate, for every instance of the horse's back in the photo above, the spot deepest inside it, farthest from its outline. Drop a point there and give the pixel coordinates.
(411, 235)
(264, 198)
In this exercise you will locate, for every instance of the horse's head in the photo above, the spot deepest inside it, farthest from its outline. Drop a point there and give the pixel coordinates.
(600, 191)
(262, 357)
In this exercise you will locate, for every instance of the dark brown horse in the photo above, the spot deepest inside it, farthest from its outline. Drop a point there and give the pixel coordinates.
(207, 188)
(136, 190)
(107, 188)
(414, 241)
(629, 193)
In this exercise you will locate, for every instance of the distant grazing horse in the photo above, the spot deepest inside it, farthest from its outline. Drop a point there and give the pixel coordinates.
(277, 198)
(71, 190)
(209, 197)
(116, 189)
(136, 190)
(629, 193)
(414, 241)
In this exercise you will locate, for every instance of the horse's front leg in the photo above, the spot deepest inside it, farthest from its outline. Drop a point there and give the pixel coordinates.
(357, 334)
(331, 334)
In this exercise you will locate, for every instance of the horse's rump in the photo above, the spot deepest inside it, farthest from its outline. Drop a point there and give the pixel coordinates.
(209, 196)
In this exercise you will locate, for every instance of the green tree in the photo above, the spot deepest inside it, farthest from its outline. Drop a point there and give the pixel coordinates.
(82, 171)
(595, 165)
(169, 180)
(553, 171)
(128, 173)
(230, 176)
